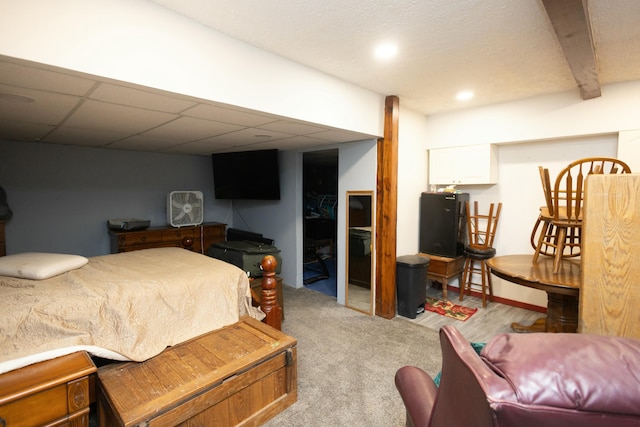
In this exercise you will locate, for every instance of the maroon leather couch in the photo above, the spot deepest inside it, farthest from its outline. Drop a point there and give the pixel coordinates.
(527, 380)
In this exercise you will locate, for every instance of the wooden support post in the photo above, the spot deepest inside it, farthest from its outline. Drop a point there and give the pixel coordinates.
(386, 212)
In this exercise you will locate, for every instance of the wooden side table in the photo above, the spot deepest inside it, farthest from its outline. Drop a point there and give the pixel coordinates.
(441, 269)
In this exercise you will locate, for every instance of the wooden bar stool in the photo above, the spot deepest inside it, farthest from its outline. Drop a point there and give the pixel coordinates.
(481, 229)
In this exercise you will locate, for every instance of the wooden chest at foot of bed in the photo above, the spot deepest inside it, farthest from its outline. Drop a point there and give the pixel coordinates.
(55, 392)
(244, 373)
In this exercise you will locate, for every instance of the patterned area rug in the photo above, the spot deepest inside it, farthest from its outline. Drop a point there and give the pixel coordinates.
(449, 309)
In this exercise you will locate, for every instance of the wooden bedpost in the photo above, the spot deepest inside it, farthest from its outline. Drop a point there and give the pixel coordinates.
(268, 296)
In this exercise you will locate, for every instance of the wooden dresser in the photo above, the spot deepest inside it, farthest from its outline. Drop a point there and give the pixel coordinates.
(53, 392)
(198, 238)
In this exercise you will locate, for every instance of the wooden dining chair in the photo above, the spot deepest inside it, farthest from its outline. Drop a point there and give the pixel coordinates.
(544, 226)
(481, 229)
(560, 219)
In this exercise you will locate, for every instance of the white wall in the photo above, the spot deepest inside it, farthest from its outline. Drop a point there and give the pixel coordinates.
(629, 148)
(550, 130)
(544, 117)
(357, 166)
(412, 178)
(139, 42)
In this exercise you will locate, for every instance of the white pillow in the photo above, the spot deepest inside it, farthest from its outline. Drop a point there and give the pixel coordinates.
(38, 265)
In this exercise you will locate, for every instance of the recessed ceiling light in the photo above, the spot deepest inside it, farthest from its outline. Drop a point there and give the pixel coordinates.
(386, 51)
(465, 95)
(15, 98)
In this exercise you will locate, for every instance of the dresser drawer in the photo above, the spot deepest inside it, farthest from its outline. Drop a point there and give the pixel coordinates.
(194, 238)
(443, 266)
(178, 234)
(53, 404)
(53, 392)
(134, 238)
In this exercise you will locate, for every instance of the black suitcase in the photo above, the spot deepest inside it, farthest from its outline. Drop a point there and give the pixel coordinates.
(245, 254)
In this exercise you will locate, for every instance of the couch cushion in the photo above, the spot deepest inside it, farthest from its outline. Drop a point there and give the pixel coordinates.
(572, 371)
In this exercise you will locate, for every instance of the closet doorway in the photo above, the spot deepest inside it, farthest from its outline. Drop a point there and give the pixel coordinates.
(320, 191)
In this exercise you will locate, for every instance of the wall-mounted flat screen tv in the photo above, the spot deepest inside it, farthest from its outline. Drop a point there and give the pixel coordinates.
(246, 175)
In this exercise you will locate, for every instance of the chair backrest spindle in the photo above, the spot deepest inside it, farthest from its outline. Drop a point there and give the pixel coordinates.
(481, 228)
(568, 189)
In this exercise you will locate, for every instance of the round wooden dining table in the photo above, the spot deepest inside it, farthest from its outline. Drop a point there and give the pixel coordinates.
(562, 288)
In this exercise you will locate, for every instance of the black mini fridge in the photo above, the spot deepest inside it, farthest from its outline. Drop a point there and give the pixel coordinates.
(443, 227)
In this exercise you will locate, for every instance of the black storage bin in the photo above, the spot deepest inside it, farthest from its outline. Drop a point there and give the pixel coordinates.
(245, 255)
(411, 284)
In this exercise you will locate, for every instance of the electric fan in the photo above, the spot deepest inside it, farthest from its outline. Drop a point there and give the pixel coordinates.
(184, 208)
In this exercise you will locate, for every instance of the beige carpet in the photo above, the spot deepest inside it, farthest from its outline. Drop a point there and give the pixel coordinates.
(347, 362)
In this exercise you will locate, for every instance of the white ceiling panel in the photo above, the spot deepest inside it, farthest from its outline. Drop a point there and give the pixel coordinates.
(144, 143)
(294, 128)
(140, 98)
(20, 131)
(83, 136)
(187, 129)
(116, 118)
(199, 148)
(227, 115)
(248, 136)
(30, 76)
(44, 107)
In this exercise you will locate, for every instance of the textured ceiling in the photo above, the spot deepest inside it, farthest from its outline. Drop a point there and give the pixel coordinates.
(501, 50)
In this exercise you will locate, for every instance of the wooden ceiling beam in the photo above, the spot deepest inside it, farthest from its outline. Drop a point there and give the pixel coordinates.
(570, 19)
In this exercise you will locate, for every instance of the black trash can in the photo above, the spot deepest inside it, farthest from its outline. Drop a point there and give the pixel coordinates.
(411, 284)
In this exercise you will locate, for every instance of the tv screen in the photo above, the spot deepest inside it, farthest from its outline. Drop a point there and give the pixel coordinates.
(246, 175)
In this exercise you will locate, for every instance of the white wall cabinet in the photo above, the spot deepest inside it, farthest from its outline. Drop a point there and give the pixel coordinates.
(473, 164)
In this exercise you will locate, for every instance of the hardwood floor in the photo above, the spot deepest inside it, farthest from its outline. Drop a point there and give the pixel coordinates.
(485, 323)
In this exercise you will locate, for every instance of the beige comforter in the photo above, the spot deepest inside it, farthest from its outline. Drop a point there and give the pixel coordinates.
(130, 306)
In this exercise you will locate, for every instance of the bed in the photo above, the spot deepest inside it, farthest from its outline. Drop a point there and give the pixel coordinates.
(128, 307)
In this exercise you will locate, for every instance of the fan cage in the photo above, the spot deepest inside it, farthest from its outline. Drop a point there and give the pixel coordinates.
(185, 208)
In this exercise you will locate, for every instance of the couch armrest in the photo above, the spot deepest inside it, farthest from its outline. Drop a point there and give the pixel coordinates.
(418, 392)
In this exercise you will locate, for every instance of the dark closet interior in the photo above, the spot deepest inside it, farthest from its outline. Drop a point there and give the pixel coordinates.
(320, 189)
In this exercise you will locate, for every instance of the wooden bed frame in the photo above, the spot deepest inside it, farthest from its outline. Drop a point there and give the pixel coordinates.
(17, 395)
(268, 298)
